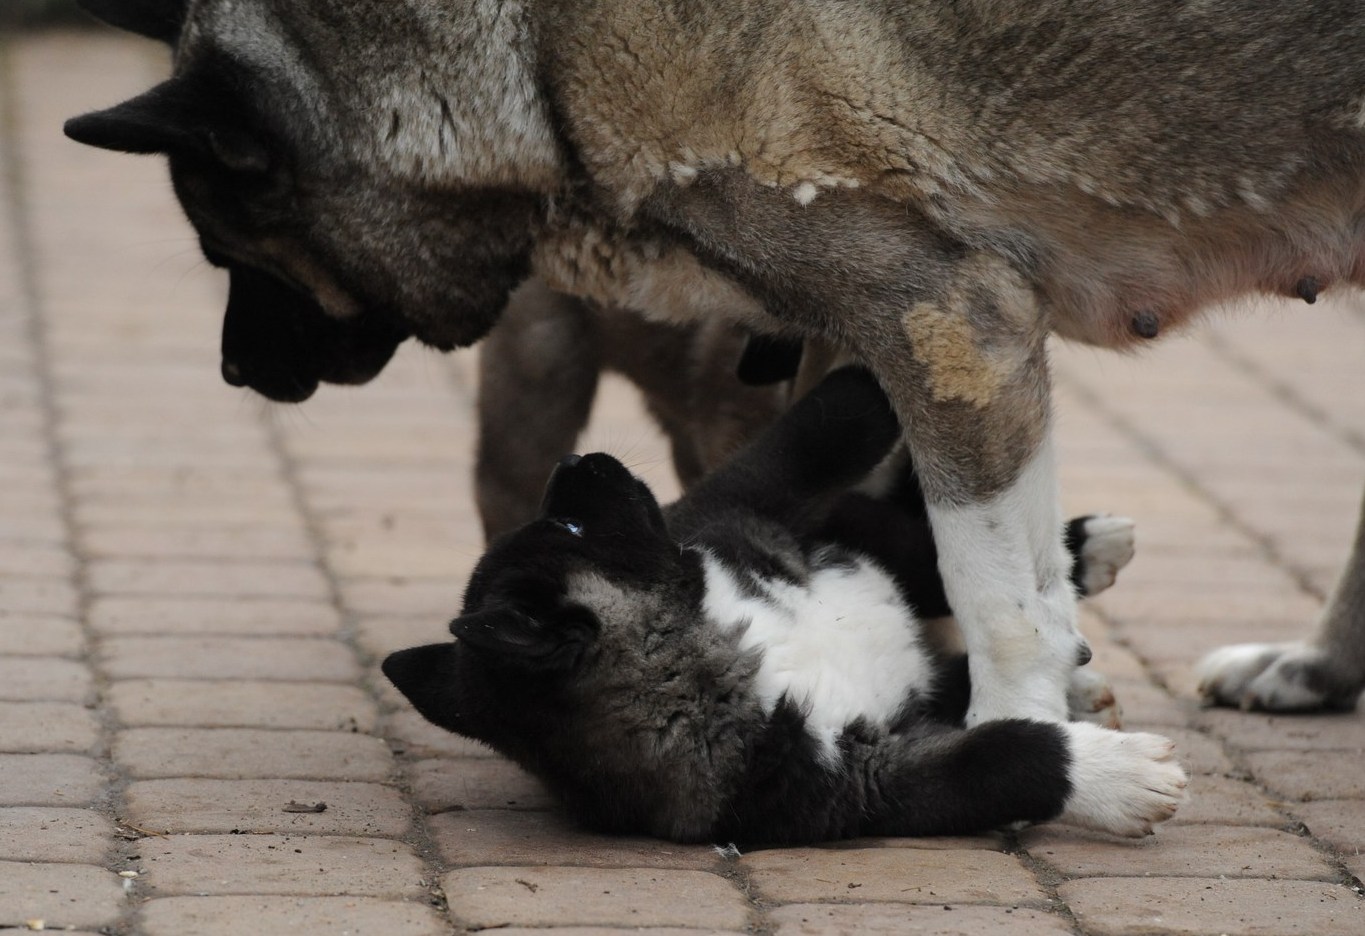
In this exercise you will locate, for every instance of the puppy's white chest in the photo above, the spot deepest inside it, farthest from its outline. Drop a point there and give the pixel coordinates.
(844, 647)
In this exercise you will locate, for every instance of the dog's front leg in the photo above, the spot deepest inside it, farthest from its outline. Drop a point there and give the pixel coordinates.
(969, 378)
(957, 339)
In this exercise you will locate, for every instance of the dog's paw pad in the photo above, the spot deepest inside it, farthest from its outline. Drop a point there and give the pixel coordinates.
(1108, 546)
(1090, 698)
(1123, 784)
(1273, 677)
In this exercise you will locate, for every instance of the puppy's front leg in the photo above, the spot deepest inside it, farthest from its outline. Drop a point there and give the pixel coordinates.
(969, 378)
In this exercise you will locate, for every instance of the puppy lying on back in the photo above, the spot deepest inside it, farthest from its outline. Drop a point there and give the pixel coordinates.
(749, 665)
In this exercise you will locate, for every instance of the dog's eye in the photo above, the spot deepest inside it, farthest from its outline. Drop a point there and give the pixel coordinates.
(572, 526)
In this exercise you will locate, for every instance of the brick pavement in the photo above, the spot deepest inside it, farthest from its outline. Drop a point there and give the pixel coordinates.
(195, 588)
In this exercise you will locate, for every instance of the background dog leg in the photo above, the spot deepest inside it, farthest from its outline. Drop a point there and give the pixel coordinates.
(538, 374)
(1326, 672)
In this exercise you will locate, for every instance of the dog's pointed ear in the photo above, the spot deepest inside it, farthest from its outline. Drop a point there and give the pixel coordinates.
(155, 19)
(157, 121)
(519, 640)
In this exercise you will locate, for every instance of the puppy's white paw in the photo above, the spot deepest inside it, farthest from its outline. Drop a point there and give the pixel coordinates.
(1090, 698)
(1108, 547)
(1274, 677)
(1121, 783)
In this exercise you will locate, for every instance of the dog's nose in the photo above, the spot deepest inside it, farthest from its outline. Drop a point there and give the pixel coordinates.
(232, 374)
(568, 461)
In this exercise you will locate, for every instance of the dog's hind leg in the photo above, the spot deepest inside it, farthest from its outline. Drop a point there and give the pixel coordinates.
(1325, 672)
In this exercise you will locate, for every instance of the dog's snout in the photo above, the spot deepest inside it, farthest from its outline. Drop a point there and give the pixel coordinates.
(568, 461)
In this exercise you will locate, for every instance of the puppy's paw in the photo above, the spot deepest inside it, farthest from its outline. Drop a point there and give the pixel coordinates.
(1090, 698)
(1123, 784)
(1103, 546)
(1278, 677)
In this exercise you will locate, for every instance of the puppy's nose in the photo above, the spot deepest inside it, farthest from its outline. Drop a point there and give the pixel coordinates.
(568, 461)
(232, 374)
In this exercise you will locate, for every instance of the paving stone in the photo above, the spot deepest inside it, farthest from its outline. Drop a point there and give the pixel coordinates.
(380, 636)
(907, 920)
(444, 784)
(260, 617)
(231, 916)
(1199, 906)
(47, 833)
(539, 896)
(33, 559)
(251, 753)
(60, 895)
(1256, 731)
(420, 738)
(512, 837)
(1215, 800)
(907, 875)
(275, 579)
(1324, 775)
(288, 659)
(198, 541)
(39, 727)
(259, 806)
(1198, 753)
(48, 780)
(38, 678)
(1179, 851)
(309, 865)
(242, 704)
(434, 599)
(39, 596)
(613, 931)
(1340, 822)
(40, 635)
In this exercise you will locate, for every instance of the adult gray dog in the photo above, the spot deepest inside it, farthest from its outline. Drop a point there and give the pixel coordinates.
(932, 186)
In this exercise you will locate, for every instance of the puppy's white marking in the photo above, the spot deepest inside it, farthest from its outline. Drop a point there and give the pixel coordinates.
(844, 646)
(1090, 698)
(1121, 783)
(1108, 547)
(1005, 570)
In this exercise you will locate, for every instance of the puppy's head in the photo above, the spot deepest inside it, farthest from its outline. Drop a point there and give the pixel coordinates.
(550, 612)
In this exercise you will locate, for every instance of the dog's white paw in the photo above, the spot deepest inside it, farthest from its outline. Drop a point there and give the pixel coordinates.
(1090, 698)
(1107, 548)
(1121, 783)
(1274, 677)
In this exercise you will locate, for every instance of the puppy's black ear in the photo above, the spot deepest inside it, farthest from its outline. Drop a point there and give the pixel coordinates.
(155, 19)
(517, 639)
(161, 120)
(426, 676)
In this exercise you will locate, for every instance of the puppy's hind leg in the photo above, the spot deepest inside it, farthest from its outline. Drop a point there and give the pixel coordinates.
(1326, 672)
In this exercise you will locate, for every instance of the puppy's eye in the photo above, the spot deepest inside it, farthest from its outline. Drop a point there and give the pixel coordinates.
(572, 526)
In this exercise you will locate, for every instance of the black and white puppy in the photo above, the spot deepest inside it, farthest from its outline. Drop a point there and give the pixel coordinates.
(750, 665)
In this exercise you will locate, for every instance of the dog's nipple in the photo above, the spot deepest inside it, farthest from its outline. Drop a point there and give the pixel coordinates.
(1307, 289)
(1146, 324)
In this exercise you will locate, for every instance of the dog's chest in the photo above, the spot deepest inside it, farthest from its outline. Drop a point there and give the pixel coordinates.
(843, 646)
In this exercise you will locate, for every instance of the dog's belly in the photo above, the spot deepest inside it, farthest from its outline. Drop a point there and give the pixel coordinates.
(1113, 276)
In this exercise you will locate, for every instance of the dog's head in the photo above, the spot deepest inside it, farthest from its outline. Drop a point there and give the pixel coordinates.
(557, 618)
(344, 161)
